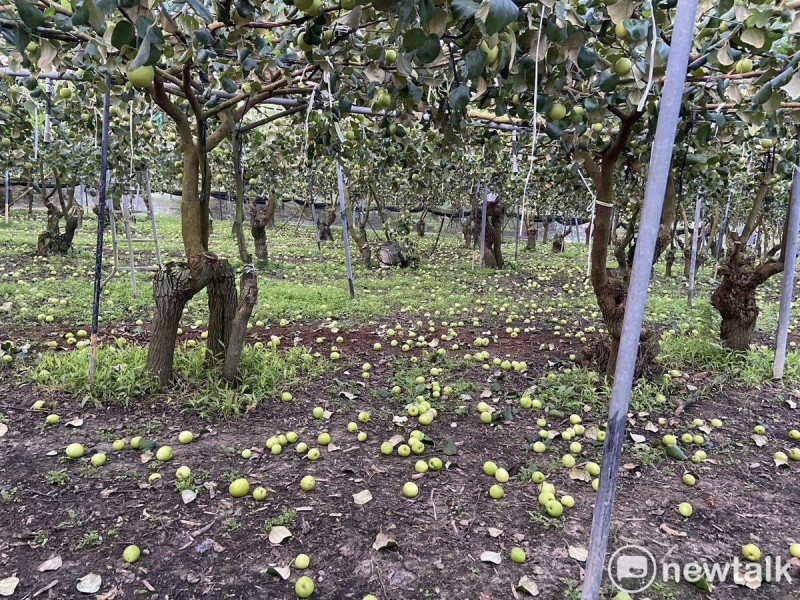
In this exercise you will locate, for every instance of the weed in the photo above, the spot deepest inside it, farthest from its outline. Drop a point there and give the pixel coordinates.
(90, 539)
(9, 496)
(59, 477)
(285, 519)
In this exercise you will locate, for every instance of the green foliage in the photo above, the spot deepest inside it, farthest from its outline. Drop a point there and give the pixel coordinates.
(120, 376)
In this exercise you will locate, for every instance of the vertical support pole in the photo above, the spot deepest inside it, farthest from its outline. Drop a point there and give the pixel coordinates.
(514, 151)
(36, 131)
(345, 231)
(48, 93)
(483, 222)
(101, 205)
(126, 216)
(152, 217)
(693, 261)
(789, 256)
(7, 195)
(517, 232)
(660, 159)
(313, 212)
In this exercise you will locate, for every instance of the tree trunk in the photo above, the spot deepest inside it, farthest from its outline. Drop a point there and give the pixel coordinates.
(173, 287)
(238, 325)
(324, 226)
(222, 304)
(238, 220)
(531, 231)
(545, 229)
(466, 231)
(558, 241)
(420, 225)
(259, 217)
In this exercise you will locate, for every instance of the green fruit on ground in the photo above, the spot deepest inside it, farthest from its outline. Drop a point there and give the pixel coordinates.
(794, 550)
(239, 487)
(435, 464)
(751, 552)
(496, 492)
(38, 405)
(689, 479)
(247, 453)
(259, 493)
(308, 483)
(141, 77)
(131, 554)
(302, 561)
(118, 445)
(99, 459)
(518, 555)
(558, 111)
(489, 468)
(52, 419)
(324, 439)
(318, 412)
(501, 475)
(555, 508)
(410, 489)
(685, 509)
(185, 437)
(153, 477)
(74, 450)
(386, 448)
(623, 66)
(568, 501)
(136, 442)
(164, 453)
(183, 472)
(313, 454)
(794, 434)
(304, 587)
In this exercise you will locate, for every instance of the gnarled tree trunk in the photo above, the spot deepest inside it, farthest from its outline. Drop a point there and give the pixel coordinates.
(558, 240)
(531, 231)
(260, 216)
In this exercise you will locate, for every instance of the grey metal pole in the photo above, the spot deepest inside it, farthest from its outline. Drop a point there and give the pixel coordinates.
(660, 161)
(345, 231)
(101, 210)
(693, 262)
(313, 212)
(483, 222)
(787, 287)
(47, 102)
(723, 227)
(8, 195)
(152, 211)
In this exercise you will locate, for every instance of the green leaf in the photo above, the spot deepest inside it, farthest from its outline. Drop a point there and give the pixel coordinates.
(145, 445)
(449, 448)
(382, 392)
(201, 10)
(459, 97)
(586, 58)
(673, 451)
(501, 13)
(30, 15)
(123, 35)
(430, 50)
(474, 63)
(464, 9)
(425, 8)
(414, 39)
(107, 6)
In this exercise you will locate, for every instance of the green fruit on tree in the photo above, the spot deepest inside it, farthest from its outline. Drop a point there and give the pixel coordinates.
(304, 587)
(558, 111)
(65, 93)
(744, 65)
(303, 5)
(239, 487)
(131, 554)
(390, 56)
(623, 66)
(141, 77)
(302, 44)
(620, 31)
(75, 450)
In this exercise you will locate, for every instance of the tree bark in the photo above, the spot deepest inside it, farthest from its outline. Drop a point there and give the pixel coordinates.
(259, 218)
(222, 302)
(238, 176)
(173, 286)
(238, 326)
(531, 231)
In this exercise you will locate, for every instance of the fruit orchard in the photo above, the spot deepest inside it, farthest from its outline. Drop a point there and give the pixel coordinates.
(296, 294)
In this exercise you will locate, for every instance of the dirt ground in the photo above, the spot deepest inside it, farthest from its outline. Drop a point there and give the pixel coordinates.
(218, 547)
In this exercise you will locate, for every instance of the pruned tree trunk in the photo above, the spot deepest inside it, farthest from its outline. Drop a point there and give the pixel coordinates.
(558, 241)
(324, 226)
(238, 326)
(221, 308)
(260, 216)
(545, 229)
(466, 231)
(531, 231)
(420, 224)
(238, 176)
(173, 286)
(735, 296)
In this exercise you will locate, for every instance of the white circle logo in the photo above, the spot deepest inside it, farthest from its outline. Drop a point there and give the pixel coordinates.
(632, 569)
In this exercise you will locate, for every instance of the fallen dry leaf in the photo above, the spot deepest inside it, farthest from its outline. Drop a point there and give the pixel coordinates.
(8, 585)
(670, 531)
(383, 541)
(279, 534)
(491, 557)
(578, 553)
(362, 497)
(89, 584)
(50, 565)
